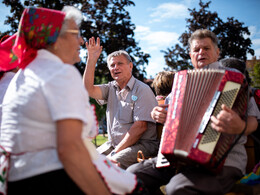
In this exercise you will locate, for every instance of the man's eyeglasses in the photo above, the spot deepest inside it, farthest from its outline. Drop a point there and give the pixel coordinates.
(74, 32)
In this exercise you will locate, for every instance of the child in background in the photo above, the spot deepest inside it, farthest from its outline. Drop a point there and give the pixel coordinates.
(162, 85)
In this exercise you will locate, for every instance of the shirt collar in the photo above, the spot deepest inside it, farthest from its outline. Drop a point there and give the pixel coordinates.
(129, 85)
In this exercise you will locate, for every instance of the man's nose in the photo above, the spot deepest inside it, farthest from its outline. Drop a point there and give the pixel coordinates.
(201, 51)
(116, 66)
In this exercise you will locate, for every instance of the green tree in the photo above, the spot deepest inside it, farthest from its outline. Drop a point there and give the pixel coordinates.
(231, 35)
(107, 19)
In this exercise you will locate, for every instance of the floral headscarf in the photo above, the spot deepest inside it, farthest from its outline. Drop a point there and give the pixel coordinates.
(38, 28)
(8, 60)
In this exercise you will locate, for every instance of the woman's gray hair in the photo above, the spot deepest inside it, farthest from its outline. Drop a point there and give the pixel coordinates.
(118, 53)
(71, 13)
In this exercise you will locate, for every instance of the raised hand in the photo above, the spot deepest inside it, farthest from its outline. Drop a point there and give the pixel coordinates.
(94, 51)
(94, 48)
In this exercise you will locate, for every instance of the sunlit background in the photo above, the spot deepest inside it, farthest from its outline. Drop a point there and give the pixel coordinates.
(159, 24)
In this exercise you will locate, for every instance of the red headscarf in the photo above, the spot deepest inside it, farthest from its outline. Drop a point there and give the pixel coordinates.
(4, 38)
(38, 28)
(8, 58)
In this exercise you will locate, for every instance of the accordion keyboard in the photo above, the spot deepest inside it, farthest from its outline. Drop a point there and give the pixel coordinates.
(211, 136)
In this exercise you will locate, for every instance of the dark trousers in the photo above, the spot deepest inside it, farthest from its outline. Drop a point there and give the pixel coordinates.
(51, 183)
(189, 181)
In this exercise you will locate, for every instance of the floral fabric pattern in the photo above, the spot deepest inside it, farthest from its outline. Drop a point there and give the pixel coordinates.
(4, 167)
(38, 28)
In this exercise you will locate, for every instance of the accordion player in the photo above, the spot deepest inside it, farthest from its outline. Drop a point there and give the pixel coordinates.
(197, 95)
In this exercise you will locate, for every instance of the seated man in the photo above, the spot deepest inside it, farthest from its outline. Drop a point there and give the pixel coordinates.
(129, 104)
(204, 52)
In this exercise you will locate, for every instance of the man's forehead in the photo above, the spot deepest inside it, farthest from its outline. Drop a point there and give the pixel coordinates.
(201, 42)
(118, 58)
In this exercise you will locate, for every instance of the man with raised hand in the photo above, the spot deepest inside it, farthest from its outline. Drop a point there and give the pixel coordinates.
(129, 104)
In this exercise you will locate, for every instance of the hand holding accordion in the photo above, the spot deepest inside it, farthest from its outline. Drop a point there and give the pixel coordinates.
(196, 96)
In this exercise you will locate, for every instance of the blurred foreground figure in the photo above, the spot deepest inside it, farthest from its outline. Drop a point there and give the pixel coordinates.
(47, 120)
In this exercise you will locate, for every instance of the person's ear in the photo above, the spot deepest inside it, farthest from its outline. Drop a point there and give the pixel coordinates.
(218, 51)
(55, 46)
(131, 65)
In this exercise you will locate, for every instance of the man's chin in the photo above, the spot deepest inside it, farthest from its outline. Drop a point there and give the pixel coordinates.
(115, 78)
(201, 64)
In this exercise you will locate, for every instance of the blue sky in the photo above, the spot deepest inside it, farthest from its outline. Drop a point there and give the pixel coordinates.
(159, 23)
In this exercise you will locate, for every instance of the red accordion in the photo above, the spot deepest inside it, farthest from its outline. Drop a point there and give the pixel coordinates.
(196, 96)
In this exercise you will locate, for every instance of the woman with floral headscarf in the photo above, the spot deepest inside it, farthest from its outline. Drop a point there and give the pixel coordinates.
(43, 115)
(47, 120)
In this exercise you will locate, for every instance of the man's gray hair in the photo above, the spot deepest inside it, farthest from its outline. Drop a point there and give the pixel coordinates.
(202, 34)
(71, 13)
(118, 53)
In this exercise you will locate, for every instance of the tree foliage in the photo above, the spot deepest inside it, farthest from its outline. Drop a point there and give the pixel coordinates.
(107, 19)
(231, 35)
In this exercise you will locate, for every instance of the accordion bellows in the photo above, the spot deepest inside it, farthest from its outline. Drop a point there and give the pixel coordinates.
(196, 96)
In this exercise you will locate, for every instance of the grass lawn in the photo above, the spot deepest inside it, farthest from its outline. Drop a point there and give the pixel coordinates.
(99, 140)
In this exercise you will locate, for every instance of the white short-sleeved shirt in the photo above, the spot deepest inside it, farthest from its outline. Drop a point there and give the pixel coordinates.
(46, 91)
